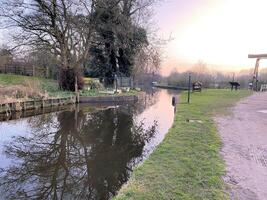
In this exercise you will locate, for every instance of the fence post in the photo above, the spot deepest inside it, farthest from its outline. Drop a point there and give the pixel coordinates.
(76, 90)
(132, 82)
(116, 83)
(189, 88)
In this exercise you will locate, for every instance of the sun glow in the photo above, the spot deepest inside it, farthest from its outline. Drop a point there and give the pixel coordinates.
(223, 34)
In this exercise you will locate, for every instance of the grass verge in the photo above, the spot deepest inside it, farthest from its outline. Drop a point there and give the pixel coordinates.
(14, 87)
(187, 164)
(38, 84)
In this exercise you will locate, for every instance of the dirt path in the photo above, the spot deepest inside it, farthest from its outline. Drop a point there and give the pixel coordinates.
(244, 135)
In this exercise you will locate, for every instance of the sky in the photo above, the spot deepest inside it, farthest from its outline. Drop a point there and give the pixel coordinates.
(220, 33)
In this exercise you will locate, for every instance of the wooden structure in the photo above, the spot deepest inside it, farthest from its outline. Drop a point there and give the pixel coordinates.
(123, 81)
(197, 86)
(12, 107)
(234, 85)
(263, 88)
(24, 69)
(255, 80)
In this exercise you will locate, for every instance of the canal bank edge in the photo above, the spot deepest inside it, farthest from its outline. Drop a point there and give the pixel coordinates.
(107, 99)
(13, 107)
(8, 108)
(187, 164)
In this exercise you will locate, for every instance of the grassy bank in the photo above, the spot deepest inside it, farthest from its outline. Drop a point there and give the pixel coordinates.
(15, 87)
(186, 165)
(26, 87)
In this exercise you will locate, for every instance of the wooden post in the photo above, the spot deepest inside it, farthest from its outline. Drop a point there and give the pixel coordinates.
(25, 105)
(47, 72)
(116, 83)
(189, 88)
(256, 74)
(255, 80)
(76, 90)
(132, 82)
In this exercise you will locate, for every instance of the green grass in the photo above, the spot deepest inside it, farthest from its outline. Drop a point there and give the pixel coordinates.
(48, 85)
(186, 165)
(42, 84)
(51, 86)
(10, 79)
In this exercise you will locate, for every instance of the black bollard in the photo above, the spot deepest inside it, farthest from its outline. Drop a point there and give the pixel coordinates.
(174, 102)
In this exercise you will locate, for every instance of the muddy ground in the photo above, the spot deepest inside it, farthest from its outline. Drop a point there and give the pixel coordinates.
(244, 135)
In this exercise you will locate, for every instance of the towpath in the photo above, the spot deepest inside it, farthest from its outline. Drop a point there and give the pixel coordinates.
(244, 135)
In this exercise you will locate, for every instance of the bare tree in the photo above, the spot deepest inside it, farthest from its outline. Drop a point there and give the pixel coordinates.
(44, 61)
(69, 29)
(6, 58)
(149, 56)
(63, 26)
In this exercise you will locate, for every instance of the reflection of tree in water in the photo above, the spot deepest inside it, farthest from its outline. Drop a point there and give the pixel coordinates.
(90, 156)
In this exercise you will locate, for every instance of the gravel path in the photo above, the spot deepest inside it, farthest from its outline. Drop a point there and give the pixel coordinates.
(244, 136)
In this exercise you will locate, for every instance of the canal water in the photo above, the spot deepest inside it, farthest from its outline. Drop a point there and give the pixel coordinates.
(83, 152)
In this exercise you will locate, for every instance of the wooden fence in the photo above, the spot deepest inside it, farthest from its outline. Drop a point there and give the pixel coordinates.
(26, 70)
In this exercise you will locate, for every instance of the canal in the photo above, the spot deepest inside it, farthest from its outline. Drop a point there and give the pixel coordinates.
(82, 152)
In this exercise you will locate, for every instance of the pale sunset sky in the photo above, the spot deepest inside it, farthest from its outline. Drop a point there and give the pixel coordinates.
(219, 32)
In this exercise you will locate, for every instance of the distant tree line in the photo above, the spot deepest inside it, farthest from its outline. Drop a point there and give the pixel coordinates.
(100, 38)
(211, 78)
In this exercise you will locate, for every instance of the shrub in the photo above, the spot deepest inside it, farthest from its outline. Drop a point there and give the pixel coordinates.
(93, 84)
(67, 79)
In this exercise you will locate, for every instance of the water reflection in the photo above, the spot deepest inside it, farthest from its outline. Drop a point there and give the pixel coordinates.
(84, 153)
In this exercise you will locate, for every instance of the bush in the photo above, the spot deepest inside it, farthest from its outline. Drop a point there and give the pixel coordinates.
(93, 84)
(67, 79)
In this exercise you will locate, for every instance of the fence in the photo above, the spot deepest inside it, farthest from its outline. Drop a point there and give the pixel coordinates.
(17, 69)
(26, 70)
(125, 82)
